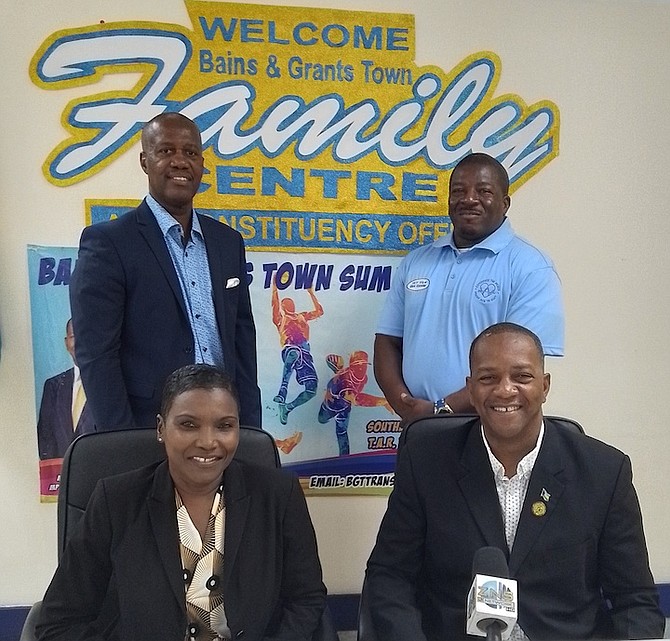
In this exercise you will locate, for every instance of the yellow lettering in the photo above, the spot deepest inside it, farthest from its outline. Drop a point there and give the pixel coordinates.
(402, 237)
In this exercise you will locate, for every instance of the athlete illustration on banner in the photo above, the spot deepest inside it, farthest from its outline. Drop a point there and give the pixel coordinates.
(293, 328)
(286, 445)
(344, 390)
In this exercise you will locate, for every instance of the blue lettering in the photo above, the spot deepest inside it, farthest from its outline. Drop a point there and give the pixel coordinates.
(46, 273)
(346, 278)
(378, 181)
(325, 34)
(227, 176)
(269, 269)
(63, 272)
(218, 25)
(271, 178)
(374, 39)
(284, 276)
(247, 28)
(298, 37)
(396, 39)
(411, 183)
(58, 276)
(330, 180)
(272, 38)
(304, 275)
(323, 277)
(360, 278)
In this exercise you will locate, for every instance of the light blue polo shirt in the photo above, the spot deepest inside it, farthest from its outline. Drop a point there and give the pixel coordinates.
(442, 298)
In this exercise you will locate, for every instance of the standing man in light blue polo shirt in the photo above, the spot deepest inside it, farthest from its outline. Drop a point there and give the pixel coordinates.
(444, 294)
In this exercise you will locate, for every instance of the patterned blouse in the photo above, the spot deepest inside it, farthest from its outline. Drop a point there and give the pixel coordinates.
(202, 562)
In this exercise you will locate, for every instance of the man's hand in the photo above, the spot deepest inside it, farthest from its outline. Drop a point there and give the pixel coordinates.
(413, 408)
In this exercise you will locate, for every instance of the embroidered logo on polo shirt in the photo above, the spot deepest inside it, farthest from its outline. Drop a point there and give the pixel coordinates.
(487, 290)
(418, 284)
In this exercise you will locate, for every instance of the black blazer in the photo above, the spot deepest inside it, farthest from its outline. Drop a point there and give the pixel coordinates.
(120, 576)
(445, 506)
(131, 324)
(54, 425)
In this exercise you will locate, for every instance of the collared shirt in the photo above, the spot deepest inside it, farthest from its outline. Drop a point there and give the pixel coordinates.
(442, 297)
(511, 495)
(192, 267)
(202, 564)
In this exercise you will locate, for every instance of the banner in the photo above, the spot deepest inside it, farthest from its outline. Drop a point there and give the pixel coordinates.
(49, 270)
(329, 150)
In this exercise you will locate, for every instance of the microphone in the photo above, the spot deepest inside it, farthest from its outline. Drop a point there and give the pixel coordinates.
(492, 606)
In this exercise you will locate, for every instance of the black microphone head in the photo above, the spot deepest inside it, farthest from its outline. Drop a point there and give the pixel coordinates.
(490, 561)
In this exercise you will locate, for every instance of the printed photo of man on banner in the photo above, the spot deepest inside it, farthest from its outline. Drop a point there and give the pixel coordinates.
(61, 409)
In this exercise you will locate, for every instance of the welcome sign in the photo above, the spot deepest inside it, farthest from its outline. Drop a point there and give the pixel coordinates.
(327, 148)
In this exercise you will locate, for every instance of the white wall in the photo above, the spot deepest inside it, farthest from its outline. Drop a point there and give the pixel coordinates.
(601, 209)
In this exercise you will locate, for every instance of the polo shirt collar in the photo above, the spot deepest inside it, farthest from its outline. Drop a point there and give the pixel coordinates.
(495, 243)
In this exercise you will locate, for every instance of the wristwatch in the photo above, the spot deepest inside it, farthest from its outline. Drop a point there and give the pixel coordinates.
(440, 406)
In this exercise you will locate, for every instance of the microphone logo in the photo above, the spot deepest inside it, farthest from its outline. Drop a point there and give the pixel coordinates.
(497, 595)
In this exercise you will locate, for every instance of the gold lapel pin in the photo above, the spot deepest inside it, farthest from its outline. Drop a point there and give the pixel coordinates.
(538, 508)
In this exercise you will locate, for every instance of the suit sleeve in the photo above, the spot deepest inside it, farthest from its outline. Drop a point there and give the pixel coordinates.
(624, 565)
(246, 375)
(46, 439)
(97, 302)
(302, 593)
(73, 603)
(394, 565)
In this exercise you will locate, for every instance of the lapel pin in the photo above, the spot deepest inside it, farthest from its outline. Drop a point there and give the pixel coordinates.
(538, 508)
(544, 495)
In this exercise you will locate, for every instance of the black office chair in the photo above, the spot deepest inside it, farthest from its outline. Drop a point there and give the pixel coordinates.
(430, 425)
(98, 455)
(439, 422)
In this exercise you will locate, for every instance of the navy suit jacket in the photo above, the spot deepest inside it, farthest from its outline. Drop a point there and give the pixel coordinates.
(120, 577)
(130, 320)
(54, 425)
(444, 507)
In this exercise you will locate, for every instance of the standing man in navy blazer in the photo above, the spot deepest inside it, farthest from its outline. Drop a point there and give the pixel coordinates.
(161, 287)
(560, 505)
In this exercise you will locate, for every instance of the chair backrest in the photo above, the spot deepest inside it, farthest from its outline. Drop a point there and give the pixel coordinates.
(439, 422)
(100, 454)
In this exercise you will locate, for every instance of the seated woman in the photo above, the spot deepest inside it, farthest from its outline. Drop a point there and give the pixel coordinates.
(198, 547)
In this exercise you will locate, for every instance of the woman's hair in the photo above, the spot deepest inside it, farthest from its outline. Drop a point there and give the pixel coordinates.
(198, 376)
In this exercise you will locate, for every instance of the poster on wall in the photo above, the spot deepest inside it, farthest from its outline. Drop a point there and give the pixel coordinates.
(329, 150)
(60, 402)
